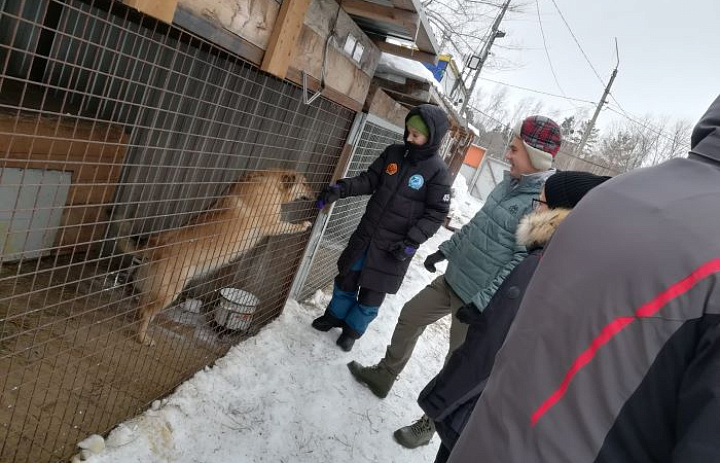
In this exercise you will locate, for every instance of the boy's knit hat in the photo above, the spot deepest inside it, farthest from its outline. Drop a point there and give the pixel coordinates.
(541, 137)
(417, 123)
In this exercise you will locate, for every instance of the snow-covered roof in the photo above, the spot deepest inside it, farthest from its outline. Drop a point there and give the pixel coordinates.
(404, 67)
(407, 68)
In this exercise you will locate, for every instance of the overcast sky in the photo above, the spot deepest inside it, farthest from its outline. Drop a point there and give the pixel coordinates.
(669, 54)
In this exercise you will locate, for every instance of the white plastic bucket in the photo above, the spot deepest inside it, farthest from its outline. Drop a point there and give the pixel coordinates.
(235, 309)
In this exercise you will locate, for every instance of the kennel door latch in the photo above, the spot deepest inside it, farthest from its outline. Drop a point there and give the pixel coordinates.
(306, 99)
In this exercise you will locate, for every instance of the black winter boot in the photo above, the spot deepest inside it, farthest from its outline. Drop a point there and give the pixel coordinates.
(345, 341)
(326, 322)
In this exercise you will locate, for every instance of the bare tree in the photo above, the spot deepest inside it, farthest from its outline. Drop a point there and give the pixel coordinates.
(463, 25)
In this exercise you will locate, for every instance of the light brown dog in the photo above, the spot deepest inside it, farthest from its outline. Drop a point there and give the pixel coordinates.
(233, 225)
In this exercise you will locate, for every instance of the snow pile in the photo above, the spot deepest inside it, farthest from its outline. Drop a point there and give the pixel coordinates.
(286, 394)
(463, 205)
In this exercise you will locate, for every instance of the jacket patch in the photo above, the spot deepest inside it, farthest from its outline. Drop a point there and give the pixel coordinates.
(391, 168)
(416, 182)
(513, 209)
(446, 198)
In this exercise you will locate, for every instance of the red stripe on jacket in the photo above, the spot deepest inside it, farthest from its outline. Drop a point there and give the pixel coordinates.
(618, 324)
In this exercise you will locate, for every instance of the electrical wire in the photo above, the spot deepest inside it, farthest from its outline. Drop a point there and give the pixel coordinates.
(547, 53)
(621, 111)
(580, 100)
(647, 126)
(577, 42)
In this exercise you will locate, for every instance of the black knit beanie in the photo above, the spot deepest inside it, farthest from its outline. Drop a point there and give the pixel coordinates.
(566, 189)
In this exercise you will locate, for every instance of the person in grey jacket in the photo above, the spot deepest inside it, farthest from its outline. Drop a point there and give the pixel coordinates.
(614, 355)
(450, 397)
(479, 257)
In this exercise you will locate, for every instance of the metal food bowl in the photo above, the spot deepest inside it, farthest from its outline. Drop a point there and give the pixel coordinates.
(235, 309)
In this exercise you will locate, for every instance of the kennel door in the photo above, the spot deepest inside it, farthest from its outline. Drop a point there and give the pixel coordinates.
(31, 207)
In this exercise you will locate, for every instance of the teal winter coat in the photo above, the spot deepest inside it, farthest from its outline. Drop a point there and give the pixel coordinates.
(483, 252)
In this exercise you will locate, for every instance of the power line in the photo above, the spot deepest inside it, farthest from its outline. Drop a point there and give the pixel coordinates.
(547, 53)
(617, 102)
(577, 42)
(622, 111)
(648, 126)
(538, 91)
(487, 115)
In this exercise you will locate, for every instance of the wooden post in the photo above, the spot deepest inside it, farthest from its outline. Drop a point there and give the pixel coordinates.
(408, 20)
(405, 52)
(285, 34)
(164, 10)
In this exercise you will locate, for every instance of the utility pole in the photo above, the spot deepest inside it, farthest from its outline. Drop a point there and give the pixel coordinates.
(494, 34)
(591, 124)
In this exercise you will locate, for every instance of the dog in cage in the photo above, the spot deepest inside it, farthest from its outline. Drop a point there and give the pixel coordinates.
(238, 221)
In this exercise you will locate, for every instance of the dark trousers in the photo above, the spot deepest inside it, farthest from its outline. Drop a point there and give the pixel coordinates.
(443, 454)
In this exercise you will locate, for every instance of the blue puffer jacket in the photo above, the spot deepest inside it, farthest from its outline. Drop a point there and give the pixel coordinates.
(484, 252)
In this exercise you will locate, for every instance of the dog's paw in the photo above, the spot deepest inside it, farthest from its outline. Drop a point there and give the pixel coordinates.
(306, 225)
(146, 340)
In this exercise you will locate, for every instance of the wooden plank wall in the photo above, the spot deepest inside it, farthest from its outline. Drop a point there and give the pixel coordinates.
(382, 105)
(252, 20)
(164, 10)
(93, 152)
(348, 82)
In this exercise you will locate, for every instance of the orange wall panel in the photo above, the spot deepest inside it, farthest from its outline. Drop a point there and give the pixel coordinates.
(474, 156)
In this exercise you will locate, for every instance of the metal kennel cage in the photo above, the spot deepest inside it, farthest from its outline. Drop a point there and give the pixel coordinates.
(114, 125)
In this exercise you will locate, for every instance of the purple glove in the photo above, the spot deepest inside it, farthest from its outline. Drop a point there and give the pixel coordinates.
(403, 250)
(329, 195)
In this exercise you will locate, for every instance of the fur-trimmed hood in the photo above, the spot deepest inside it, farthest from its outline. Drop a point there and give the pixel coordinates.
(536, 228)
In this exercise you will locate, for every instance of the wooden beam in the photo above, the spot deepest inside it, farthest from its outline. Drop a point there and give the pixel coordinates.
(406, 52)
(384, 106)
(425, 39)
(404, 4)
(285, 34)
(219, 35)
(164, 10)
(406, 19)
(406, 98)
(295, 76)
(250, 19)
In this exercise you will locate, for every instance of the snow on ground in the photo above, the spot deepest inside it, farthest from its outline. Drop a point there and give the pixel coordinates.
(286, 394)
(463, 205)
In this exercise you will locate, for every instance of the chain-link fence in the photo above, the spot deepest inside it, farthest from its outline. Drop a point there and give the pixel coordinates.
(376, 135)
(143, 170)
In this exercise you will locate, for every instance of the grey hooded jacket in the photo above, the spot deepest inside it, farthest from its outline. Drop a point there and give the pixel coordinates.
(615, 353)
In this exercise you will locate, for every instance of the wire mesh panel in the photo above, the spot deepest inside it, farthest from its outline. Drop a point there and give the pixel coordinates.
(148, 179)
(346, 213)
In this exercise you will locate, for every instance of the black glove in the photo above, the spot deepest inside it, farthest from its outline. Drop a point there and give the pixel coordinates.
(329, 195)
(403, 250)
(433, 259)
(470, 315)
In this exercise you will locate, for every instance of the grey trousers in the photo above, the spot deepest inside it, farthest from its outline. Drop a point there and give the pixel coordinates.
(428, 306)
